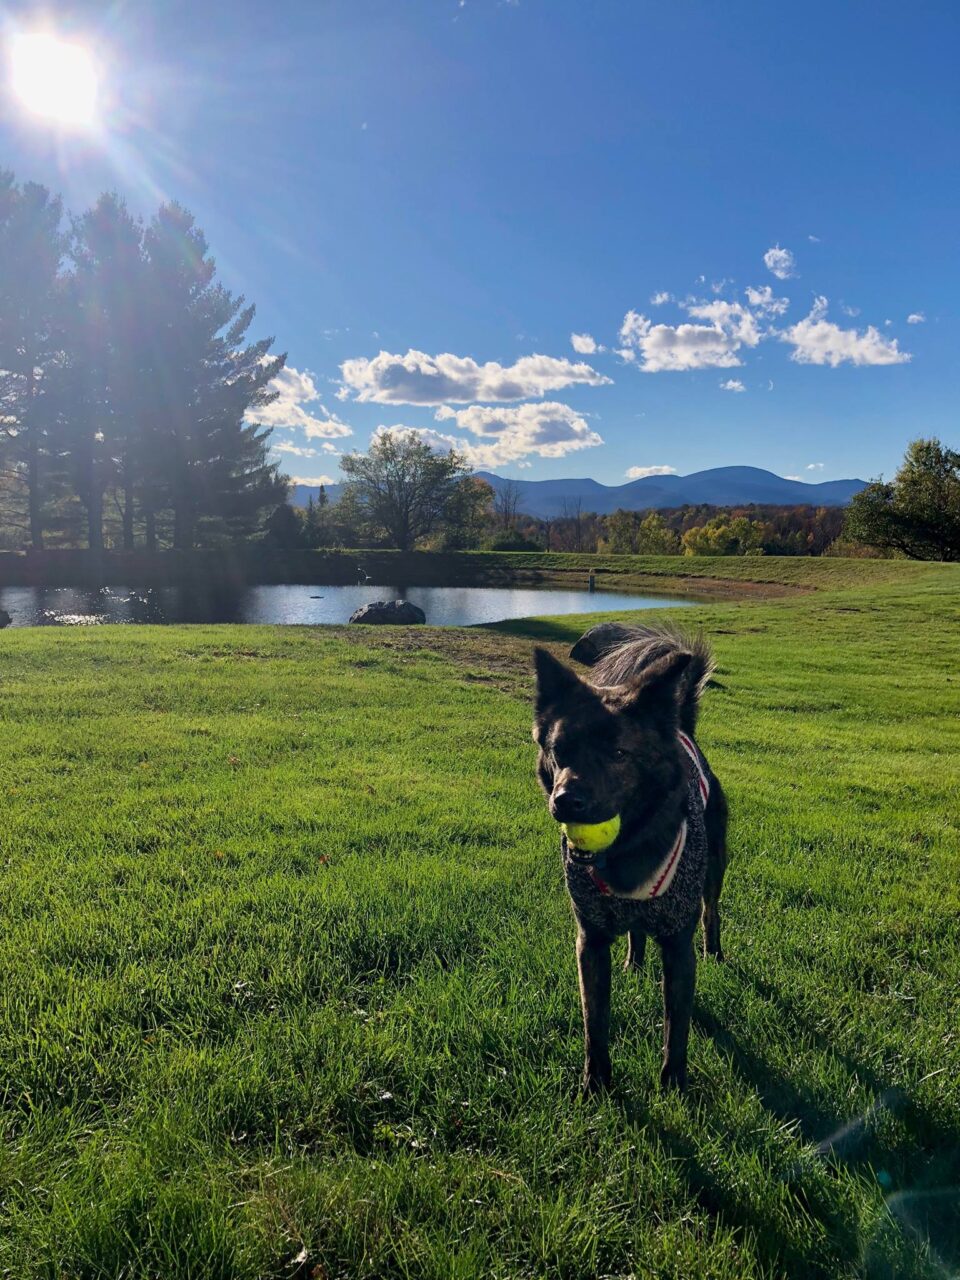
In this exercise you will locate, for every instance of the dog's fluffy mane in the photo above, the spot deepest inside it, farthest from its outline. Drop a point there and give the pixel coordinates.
(617, 654)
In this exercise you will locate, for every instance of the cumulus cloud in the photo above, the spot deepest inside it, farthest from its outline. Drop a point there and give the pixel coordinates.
(730, 318)
(916, 317)
(418, 378)
(764, 300)
(313, 481)
(816, 340)
(640, 473)
(585, 344)
(799, 479)
(674, 348)
(298, 451)
(546, 429)
(848, 310)
(296, 391)
(658, 299)
(815, 466)
(732, 384)
(780, 262)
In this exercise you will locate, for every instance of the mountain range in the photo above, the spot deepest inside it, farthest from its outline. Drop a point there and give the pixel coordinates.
(718, 486)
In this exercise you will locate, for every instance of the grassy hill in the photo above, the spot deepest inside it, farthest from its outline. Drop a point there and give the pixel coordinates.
(289, 986)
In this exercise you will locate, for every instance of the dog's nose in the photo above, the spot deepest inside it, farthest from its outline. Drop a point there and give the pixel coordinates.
(567, 805)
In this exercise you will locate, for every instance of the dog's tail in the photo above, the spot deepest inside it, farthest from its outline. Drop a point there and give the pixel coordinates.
(618, 654)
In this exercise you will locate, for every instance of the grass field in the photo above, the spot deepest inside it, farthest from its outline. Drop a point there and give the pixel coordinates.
(288, 973)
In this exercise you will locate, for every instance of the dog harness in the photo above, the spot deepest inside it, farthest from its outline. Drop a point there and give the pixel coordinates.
(661, 878)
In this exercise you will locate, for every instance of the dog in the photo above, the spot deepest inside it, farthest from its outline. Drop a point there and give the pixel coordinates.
(622, 743)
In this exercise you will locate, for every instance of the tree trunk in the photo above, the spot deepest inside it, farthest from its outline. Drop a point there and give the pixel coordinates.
(182, 528)
(33, 466)
(95, 522)
(33, 492)
(150, 517)
(127, 482)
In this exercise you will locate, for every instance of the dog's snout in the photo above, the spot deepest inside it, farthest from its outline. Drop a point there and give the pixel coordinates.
(567, 805)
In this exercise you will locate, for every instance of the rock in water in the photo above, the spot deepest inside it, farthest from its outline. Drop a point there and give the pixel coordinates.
(392, 612)
(5, 619)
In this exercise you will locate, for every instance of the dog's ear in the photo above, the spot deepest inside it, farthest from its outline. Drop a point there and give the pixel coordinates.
(656, 691)
(554, 680)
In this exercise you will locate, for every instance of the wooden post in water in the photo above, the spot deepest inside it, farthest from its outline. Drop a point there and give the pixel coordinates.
(592, 585)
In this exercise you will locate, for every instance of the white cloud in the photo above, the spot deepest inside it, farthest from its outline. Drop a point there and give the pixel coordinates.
(916, 317)
(799, 479)
(847, 310)
(816, 340)
(732, 384)
(765, 301)
(780, 262)
(297, 389)
(298, 451)
(658, 299)
(418, 378)
(813, 240)
(815, 466)
(730, 318)
(584, 344)
(640, 473)
(664, 347)
(546, 429)
(313, 481)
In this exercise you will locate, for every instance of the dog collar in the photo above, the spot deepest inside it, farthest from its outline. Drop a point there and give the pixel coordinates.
(660, 880)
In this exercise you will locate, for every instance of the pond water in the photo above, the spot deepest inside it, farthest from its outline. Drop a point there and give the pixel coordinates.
(289, 603)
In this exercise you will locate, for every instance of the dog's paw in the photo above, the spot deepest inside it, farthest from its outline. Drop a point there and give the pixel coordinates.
(673, 1077)
(596, 1079)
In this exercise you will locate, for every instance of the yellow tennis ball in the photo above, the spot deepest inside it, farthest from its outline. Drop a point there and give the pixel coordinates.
(592, 837)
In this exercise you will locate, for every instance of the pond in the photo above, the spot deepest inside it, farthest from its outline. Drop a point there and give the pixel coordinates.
(307, 605)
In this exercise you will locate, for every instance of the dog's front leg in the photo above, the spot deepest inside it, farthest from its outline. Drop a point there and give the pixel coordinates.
(593, 967)
(679, 975)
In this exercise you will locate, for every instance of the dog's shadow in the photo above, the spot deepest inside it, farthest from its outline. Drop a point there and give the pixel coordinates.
(906, 1150)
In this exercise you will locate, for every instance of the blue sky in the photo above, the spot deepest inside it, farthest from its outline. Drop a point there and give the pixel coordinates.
(426, 199)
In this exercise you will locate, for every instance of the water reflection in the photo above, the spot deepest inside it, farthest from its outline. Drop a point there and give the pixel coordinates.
(299, 604)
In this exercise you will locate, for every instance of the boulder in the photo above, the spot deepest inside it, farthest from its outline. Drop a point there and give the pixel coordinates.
(5, 619)
(391, 612)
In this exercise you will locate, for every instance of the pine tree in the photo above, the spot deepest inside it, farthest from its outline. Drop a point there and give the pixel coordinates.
(103, 385)
(209, 465)
(31, 249)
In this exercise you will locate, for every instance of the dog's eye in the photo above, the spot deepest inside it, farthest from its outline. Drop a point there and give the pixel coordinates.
(619, 755)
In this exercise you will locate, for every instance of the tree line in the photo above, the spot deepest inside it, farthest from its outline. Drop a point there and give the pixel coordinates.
(126, 381)
(402, 494)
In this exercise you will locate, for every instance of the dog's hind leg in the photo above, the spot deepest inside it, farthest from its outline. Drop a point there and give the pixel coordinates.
(711, 910)
(716, 866)
(636, 949)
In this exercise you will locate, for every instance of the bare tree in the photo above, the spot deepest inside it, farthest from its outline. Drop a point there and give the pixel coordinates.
(572, 509)
(506, 504)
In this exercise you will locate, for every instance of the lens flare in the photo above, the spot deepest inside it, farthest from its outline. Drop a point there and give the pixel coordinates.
(55, 79)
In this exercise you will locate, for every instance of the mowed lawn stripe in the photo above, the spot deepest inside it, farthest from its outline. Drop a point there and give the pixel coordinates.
(289, 977)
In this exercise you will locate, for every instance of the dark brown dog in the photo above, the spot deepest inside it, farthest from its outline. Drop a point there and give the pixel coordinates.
(622, 743)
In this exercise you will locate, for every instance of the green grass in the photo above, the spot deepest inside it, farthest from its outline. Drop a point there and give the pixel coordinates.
(288, 975)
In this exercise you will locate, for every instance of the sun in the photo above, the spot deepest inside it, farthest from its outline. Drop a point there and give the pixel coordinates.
(54, 78)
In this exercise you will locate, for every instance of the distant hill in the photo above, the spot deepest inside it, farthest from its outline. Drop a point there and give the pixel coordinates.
(720, 487)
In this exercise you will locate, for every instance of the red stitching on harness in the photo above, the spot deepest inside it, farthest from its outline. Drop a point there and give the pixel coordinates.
(677, 848)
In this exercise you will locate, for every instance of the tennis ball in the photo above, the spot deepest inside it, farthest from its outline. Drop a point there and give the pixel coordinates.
(592, 837)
